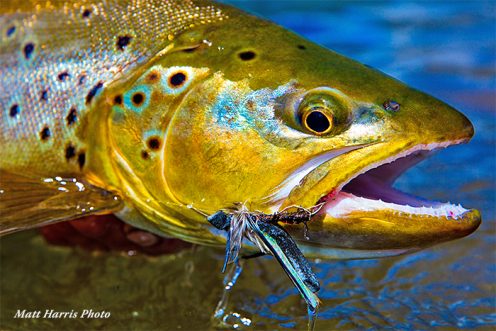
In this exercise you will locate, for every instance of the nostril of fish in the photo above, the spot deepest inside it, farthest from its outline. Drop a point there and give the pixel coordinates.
(391, 105)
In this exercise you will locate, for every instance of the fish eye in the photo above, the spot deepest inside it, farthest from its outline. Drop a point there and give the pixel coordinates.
(317, 121)
(323, 111)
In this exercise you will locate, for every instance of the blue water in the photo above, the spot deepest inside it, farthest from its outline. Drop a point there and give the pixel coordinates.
(447, 49)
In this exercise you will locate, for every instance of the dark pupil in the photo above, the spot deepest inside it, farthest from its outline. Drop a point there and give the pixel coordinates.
(177, 79)
(317, 121)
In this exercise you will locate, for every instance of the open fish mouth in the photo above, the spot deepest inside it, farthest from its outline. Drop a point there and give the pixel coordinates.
(372, 190)
(365, 212)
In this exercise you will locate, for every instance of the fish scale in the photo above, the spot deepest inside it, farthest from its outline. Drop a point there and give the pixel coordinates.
(86, 43)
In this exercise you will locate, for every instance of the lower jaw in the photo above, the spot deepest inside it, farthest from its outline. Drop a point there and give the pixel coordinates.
(353, 226)
(375, 234)
(350, 226)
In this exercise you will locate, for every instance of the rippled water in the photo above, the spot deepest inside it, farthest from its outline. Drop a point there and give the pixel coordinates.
(444, 48)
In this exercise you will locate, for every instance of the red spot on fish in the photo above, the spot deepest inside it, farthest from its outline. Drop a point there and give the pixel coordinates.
(153, 77)
(108, 233)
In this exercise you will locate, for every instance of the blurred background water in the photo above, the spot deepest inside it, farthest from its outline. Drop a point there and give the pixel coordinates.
(446, 48)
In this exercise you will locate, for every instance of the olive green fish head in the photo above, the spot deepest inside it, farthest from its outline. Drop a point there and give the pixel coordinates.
(246, 112)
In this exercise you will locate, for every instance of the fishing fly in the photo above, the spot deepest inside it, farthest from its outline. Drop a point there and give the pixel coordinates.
(270, 238)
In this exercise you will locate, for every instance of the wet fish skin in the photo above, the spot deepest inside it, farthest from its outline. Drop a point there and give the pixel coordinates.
(181, 112)
(57, 57)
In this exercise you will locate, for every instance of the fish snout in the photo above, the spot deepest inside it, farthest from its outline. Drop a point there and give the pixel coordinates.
(434, 122)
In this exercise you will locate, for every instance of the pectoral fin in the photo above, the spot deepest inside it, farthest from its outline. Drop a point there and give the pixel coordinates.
(29, 202)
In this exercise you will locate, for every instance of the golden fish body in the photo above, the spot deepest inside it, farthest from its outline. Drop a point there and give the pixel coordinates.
(165, 111)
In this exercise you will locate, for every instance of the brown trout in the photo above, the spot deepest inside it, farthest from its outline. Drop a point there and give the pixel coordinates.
(164, 111)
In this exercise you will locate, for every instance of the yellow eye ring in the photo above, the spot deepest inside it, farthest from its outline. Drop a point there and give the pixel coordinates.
(317, 121)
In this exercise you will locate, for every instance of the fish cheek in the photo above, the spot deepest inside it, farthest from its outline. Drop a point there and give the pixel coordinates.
(213, 162)
(198, 163)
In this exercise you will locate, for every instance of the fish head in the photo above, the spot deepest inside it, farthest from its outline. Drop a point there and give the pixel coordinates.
(248, 113)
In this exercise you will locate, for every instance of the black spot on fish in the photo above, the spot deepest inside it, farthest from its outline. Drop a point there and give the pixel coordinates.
(28, 50)
(63, 76)
(177, 79)
(123, 41)
(93, 92)
(138, 98)
(153, 143)
(14, 110)
(45, 133)
(302, 47)
(82, 79)
(190, 50)
(86, 13)
(11, 31)
(70, 152)
(44, 95)
(72, 116)
(145, 155)
(247, 55)
(118, 100)
(81, 159)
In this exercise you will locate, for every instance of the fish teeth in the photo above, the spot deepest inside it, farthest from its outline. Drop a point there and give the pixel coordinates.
(350, 203)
